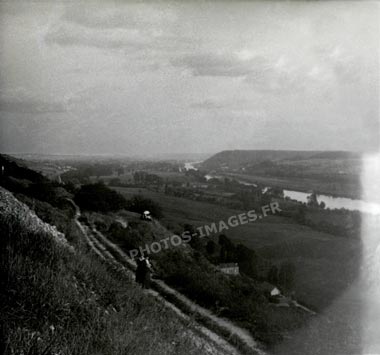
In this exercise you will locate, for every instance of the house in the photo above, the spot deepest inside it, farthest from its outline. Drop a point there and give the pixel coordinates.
(270, 290)
(146, 216)
(229, 268)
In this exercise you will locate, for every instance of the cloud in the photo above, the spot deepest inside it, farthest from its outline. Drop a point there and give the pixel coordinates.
(275, 77)
(214, 64)
(20, 102)
(116, 16)
(132, 27)
(207, 104)
(71, 35)
(257, 71)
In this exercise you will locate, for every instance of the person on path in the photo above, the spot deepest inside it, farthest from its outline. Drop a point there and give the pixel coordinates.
(148, 273)
(140, 270)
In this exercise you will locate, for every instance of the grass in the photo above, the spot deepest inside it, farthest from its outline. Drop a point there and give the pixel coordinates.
(325, 263)
(334, 188)
(57, 302)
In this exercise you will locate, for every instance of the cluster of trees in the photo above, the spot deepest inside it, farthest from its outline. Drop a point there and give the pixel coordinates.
(242, 197)
(340, 222)
(167, 166)
(98, 197)
(246, 258)
(197, 175)
(142, 177)
(312, 201)
(249, 262)
(236, 298)
(301, 170)
(49, 191)
(139, 204)
(84, 171)
(283, 276)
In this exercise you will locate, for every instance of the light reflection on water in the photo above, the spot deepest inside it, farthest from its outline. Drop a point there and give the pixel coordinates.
(337, 202)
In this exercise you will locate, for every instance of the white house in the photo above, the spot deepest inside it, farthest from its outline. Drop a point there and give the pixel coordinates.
(270, 290)
(229, 268)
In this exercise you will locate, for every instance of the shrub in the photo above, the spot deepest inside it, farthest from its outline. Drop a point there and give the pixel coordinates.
(139, 204)
(98, 197)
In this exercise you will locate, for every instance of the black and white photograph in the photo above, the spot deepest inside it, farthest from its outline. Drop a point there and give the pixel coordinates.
(189, 177)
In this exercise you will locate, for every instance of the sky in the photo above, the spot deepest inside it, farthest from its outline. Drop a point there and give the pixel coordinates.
(150, 78)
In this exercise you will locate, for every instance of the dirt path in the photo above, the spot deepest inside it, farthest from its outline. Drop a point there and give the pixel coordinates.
(227, 337)
(224, 327)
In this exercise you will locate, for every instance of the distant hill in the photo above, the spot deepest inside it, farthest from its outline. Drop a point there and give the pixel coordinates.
(235, 159)
(16, 168)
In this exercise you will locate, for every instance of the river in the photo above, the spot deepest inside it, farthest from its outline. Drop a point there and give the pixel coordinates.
(329, 201)
(337, 202)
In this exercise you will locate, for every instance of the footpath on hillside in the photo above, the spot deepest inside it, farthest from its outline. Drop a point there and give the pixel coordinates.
(231, 338)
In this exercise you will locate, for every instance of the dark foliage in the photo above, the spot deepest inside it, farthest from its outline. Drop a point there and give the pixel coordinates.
(13, 169)
(286, 275)
(98, 197)
(139, 204)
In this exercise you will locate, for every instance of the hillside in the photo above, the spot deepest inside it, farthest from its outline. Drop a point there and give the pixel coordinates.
(55, 299)
(237, 159)
(66, 293)
(335, 173)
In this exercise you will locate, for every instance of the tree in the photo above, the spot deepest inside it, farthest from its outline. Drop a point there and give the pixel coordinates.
(227, 249)
(275, 192)
(273, 275)
(312, 200)
(120, 171)
(115, 182)
(195, 241)
(99, 197)
(139, 204)
(247, 261)
(286, 275)
(210, 247)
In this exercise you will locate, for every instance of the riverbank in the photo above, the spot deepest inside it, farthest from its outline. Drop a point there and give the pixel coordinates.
(302, 185)
(331, 201)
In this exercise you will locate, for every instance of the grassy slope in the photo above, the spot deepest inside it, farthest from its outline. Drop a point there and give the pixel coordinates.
(335, 173)
(326, 264)
(56, 301)
(334, 188)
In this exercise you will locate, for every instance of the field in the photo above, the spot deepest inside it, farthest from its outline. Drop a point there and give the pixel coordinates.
(337, 189)
(326, 264)
(332, 173)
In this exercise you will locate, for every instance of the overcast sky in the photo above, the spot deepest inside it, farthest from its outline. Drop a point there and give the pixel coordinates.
(199, 77)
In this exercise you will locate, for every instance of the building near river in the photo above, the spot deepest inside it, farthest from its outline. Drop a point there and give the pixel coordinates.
(269, 289)
(229, 268)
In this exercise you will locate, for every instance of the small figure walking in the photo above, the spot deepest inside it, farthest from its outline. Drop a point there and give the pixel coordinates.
(143, 271)
(140, 270)
(148, 273)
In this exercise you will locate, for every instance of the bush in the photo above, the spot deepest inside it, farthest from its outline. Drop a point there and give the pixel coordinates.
(98, 197)
(139, 204)
(236, 298)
